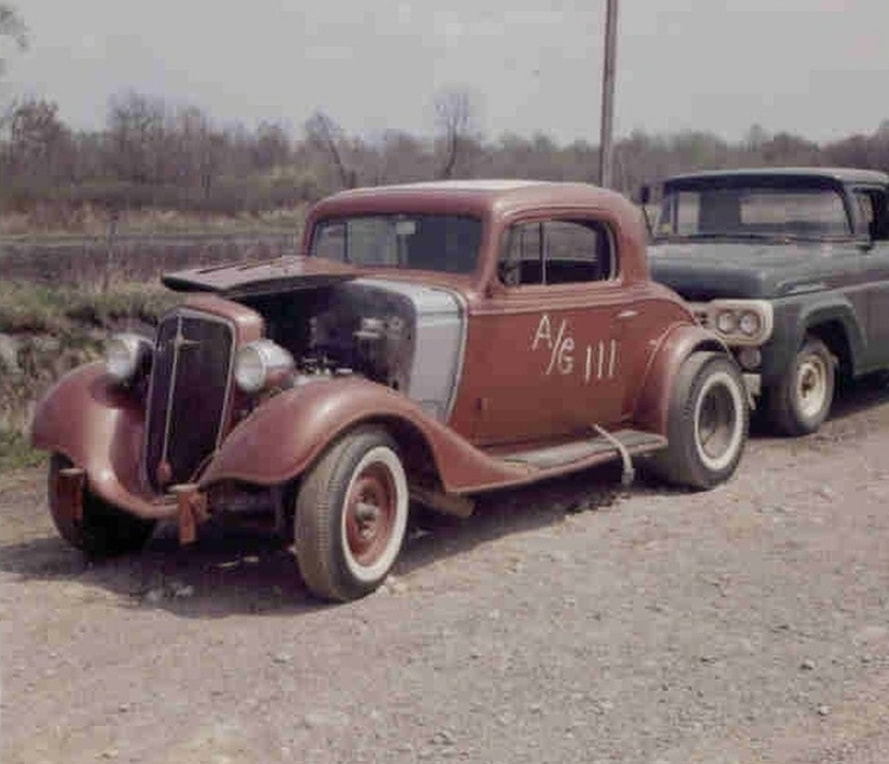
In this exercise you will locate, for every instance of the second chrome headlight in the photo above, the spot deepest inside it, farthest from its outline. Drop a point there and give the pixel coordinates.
(262, 364)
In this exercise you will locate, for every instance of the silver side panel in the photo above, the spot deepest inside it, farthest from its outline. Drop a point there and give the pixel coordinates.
(438, 317)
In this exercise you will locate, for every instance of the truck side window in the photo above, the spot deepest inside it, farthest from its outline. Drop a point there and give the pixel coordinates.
(873, 211)
(556, 252)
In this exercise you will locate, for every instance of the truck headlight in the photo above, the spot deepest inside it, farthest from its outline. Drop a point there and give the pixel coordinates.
(726, 321)
(262, 364)
(750, 323)
(126, 354)
(745, 323)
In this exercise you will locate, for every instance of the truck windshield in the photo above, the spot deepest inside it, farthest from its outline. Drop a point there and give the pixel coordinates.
(446, 243)
(750, 212)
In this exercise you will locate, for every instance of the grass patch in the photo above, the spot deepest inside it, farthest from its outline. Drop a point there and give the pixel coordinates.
(34, 308)
(48, 222)
(16, 452)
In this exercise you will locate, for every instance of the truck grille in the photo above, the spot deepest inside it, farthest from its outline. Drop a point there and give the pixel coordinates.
(188, 396)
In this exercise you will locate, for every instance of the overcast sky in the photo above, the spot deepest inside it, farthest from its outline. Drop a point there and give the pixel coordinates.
(819, 68)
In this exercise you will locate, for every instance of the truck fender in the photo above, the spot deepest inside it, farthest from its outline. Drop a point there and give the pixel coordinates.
(100, 428)
(285, 435)
(835, 309)
(678, 343)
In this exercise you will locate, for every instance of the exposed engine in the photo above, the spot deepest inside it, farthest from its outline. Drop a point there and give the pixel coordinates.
(405, 336)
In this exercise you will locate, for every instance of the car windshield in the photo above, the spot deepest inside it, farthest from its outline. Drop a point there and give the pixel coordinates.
(446, 243)
(751, 212)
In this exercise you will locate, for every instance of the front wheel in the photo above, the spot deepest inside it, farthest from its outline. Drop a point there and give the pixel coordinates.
(104, 531)
(707, 423)
(801, 401)
(351, 515)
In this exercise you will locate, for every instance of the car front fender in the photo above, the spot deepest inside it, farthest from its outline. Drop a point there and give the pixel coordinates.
(100, 428)
(286, 434)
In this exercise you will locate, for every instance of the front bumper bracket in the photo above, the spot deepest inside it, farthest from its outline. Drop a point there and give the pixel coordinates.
(71, 485)
(191, 510)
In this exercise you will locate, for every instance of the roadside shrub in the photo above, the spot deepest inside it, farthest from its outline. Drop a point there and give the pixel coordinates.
(16, 452)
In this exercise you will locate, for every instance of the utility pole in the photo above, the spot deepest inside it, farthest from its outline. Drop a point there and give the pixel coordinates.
(606, 153)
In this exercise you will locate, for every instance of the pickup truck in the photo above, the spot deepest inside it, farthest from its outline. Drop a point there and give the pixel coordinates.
(433, 342)
(790, 267)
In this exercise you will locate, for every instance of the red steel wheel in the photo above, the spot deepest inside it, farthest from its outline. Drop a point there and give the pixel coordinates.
(370, 515)
(351, 515)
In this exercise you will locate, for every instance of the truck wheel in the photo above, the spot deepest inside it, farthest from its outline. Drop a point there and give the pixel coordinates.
(800, 402)
(351, 515)
(105, 530)
(707, 423)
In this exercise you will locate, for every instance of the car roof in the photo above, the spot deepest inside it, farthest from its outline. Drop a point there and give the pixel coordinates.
(498, 202)
(499, 196)
(839, 174)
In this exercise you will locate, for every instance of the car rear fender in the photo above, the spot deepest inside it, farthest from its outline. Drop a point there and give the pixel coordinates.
(285, 435)
(677, 344)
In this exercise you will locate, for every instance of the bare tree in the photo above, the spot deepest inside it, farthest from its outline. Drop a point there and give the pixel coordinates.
(272, 147)
(402, 158)
(136, 132)
(326, 134)
(454, 119)
(39, 147)
(197, 150)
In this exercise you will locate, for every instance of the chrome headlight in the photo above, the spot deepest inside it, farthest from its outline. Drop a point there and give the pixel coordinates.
(126, 355)
(262, 364)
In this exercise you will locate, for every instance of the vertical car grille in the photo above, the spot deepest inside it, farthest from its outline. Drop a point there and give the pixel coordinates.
(188, 395)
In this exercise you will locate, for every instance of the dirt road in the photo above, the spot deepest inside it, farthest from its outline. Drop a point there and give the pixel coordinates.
(563, 623)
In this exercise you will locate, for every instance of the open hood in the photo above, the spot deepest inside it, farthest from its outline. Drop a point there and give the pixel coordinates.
(283, 274)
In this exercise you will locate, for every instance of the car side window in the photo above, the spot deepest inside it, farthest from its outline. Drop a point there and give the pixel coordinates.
(330, 241)
(557, 252)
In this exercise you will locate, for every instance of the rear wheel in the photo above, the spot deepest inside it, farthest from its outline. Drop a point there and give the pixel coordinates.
(707, 424)
(104, 531)
(351, 515)
(800, 402)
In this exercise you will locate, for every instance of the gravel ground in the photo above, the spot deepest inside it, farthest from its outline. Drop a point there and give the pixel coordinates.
(562, 623)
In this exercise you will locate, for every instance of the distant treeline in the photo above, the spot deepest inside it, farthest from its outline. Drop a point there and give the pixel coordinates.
(151, 155)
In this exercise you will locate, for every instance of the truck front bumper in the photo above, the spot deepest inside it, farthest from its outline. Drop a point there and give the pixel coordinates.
(753, 383)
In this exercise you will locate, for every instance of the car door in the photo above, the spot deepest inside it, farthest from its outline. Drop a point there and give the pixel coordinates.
(546, 347)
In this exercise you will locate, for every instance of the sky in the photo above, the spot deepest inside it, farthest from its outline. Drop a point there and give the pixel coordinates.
(817, 68)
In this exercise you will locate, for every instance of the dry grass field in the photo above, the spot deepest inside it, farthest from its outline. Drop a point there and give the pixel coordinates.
(62, 292)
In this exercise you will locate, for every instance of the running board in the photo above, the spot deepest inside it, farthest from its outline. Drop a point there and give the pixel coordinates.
(615, 445)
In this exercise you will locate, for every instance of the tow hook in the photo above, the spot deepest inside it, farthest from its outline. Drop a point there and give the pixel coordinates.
(192, 510)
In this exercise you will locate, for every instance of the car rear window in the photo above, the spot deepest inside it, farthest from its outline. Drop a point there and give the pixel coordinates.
(446, 243)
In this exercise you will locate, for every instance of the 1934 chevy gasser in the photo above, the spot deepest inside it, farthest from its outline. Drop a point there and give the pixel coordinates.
(437, 340)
